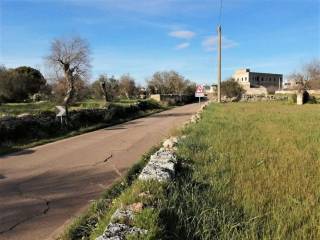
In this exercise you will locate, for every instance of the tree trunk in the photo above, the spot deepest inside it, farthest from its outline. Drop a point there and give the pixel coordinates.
(105, 93)
(70, 92)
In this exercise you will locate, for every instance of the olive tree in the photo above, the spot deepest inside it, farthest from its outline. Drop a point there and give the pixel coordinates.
(106, 88)
(169, 82)
(71, 58)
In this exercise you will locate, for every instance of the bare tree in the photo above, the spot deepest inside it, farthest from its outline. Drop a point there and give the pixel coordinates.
(307, 78)
(127, 86)
(312, 70)
(70, 57)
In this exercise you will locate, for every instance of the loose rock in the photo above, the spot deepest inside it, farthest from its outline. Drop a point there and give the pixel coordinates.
(136, 207)
(118, 231)
(123, 216)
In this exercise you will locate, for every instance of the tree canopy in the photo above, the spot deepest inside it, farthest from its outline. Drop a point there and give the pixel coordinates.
(20, 83)
(170, 82)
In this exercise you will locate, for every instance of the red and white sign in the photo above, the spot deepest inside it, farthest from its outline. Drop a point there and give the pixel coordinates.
(199, 91)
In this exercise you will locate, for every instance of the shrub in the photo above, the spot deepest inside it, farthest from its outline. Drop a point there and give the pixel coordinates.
(306, 97)
(231, 88)
(149, 104)
(292, 98)
(312, 100)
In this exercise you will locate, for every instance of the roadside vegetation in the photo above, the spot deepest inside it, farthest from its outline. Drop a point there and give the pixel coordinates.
(248, 171)
(17, 133)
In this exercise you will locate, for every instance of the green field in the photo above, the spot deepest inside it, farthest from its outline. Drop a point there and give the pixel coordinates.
(249, 171)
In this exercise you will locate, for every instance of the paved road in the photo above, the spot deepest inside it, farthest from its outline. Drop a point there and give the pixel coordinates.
(42, 188)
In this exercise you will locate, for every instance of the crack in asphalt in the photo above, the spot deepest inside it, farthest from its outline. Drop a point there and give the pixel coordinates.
(23, 195)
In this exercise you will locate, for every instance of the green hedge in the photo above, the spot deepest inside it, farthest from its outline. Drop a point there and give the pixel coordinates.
(46, 125)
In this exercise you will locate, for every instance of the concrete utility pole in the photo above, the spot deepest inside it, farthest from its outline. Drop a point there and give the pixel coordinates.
(219, 63)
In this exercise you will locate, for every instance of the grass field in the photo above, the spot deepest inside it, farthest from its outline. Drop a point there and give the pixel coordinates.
(249, 171)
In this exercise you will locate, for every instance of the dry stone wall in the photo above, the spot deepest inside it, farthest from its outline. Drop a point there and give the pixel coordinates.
(161, 167)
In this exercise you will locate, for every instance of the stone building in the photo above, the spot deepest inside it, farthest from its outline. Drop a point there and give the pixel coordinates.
(254, 79)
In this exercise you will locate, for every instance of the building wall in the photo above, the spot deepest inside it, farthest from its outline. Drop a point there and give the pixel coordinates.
(242, 77)
(253, 79)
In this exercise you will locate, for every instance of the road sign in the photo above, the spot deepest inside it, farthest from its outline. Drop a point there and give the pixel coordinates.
(62, 111)
(199, 91)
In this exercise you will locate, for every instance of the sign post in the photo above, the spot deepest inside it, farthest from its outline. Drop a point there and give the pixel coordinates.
(199, 92)
(62, 113)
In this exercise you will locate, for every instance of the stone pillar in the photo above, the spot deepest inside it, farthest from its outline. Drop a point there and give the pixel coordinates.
(300, 98)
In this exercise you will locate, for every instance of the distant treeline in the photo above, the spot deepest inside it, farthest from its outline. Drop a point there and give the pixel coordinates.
(28, 84)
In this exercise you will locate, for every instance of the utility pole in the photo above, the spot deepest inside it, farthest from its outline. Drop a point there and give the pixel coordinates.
(219, 63)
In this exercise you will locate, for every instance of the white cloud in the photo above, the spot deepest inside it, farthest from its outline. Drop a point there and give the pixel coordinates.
(184, 34)
(182, 46)
(210, 43)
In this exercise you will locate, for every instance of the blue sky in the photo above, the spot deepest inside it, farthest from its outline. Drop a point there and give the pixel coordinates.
(143, 36)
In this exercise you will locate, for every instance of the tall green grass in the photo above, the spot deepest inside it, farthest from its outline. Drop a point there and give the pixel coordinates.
(248, 171)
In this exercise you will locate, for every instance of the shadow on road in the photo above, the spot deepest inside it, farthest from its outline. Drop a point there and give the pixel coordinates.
(170, 115)
(125, 125)
(16, 152)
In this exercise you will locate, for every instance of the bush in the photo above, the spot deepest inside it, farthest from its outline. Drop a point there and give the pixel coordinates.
(293, 98)
(312, 100)
(306, 97)
(149, 104)
(231, 88)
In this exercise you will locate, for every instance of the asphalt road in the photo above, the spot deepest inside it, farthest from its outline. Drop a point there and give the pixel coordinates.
(43, 188)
